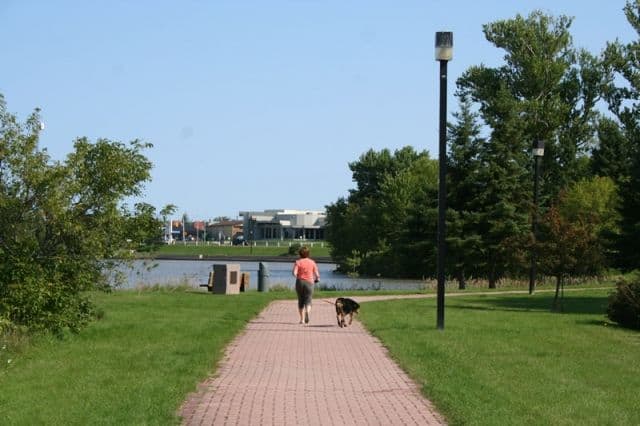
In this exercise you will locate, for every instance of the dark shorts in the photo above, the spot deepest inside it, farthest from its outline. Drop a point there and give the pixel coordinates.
(304, 289)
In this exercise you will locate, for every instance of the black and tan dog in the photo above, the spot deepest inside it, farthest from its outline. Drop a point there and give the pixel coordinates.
(344, 307)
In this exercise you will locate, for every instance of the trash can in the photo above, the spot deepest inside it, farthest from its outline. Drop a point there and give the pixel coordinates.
(263, 276)
(244, 281)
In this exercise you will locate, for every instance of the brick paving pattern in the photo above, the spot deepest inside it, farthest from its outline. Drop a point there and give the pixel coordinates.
(279, 372)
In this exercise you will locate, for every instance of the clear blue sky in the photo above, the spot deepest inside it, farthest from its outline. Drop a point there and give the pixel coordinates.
(259, 104)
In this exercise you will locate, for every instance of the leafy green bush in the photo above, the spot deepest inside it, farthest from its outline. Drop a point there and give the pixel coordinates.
(624, 304)
(60, 220)
(294, 248)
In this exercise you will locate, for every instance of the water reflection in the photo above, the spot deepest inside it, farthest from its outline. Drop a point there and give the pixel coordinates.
(194, 272)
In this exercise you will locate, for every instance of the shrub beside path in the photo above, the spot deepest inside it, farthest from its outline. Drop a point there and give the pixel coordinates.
(279, 372)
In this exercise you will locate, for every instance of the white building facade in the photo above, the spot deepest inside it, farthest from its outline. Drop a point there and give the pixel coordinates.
(283, 225)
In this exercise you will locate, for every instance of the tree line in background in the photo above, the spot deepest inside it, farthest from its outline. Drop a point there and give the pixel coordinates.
(546, 90)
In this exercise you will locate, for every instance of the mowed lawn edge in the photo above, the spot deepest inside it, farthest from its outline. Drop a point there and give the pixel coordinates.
(134, 366)
(506, 359)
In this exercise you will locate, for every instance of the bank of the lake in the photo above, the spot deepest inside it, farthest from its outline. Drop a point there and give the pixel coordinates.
(234, 258)
(269, 249)
(193, 272)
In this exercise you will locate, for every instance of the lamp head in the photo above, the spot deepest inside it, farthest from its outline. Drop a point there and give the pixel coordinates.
(538, 149)
(444, 46)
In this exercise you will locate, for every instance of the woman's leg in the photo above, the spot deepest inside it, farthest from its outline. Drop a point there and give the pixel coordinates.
(300, 293)
(307, 313)
(307, 306)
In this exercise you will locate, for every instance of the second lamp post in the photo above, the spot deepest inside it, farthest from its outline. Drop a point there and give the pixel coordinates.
(538, 153)
(444, 53)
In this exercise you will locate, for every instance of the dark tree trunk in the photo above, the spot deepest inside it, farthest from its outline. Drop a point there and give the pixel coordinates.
(462, 281)
(557, 300)
(493, 279)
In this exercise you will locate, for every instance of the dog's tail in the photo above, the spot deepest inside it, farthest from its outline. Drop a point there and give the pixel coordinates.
(329, 302)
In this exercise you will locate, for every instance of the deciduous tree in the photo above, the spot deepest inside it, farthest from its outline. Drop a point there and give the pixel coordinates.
(372, 231)
(61, 222)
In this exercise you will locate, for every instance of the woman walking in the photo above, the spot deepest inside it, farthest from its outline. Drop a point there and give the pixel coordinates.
(306, 272)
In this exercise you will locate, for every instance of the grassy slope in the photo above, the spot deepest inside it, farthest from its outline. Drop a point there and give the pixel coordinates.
(508, 360)
(133, 367)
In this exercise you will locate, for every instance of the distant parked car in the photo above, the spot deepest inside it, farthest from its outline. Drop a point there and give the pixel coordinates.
(238, 240)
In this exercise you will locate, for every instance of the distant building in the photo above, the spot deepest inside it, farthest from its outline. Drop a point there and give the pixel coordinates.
(283, 224)
(175, 229)
(224, 230)
(196, 230)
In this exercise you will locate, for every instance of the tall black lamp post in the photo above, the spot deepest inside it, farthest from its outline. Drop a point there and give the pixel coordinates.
(538, 153)
(444, 53)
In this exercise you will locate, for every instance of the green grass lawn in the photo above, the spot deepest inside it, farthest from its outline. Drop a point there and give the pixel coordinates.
(227, 250)
(508, 360)
(135, 366)
(502, 359)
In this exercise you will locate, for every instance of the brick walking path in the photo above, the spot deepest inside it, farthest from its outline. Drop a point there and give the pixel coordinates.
(278, 372)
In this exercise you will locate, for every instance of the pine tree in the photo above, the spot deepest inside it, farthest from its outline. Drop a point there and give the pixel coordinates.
(623, 64)
(612, 156)
(463, 239)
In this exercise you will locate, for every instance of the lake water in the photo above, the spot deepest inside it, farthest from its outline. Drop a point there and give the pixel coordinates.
(196, 272)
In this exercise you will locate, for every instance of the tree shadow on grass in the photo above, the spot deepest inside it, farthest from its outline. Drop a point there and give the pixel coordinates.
(570, 304)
